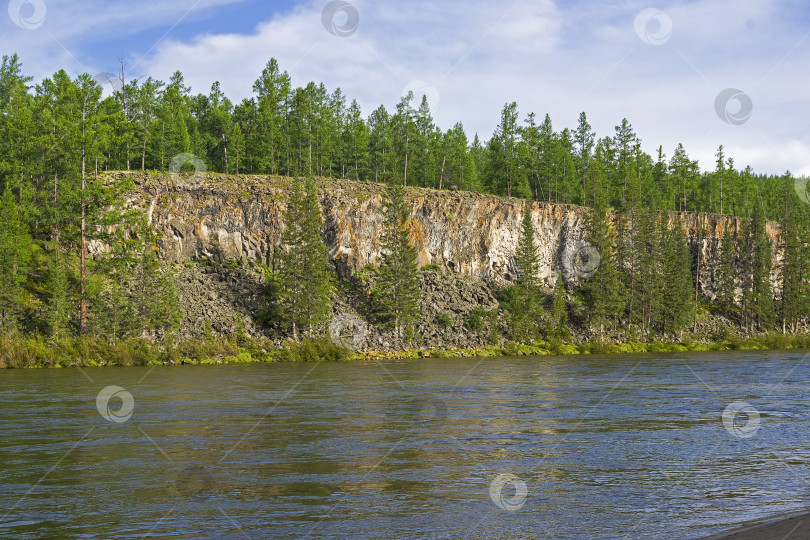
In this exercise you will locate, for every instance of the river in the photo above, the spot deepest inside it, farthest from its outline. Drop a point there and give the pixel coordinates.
(678, 445)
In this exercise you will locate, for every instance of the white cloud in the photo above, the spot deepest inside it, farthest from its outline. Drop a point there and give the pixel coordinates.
(556, 57)
(69, 27)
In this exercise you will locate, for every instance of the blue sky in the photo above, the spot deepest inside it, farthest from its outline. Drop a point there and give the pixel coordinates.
(662, 65)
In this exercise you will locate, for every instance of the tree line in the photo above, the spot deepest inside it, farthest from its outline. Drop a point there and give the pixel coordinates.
(56, 136)
(647, 281)
(312, 131)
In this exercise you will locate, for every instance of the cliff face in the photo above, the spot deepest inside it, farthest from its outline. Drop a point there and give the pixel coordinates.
(240, 217)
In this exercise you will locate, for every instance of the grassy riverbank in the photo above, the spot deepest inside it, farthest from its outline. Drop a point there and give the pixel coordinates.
(17, 351)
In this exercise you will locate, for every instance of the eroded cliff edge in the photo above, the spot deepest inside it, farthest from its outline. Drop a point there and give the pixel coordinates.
(229, 217)
(226, 218)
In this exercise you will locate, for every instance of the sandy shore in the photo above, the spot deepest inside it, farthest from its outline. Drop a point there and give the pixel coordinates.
(795, 527)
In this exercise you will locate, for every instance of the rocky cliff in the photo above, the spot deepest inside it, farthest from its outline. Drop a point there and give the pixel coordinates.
(224, 218)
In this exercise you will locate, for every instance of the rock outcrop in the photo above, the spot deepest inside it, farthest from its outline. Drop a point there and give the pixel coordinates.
(214, 230)
(228, 217)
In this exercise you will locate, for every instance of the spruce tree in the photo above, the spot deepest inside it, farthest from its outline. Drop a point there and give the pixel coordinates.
(677, 280)
(628, 258)
(559, 314)
(154, 294)
(793, 268)
(759, 259)
(526, 259)
(726, 273)
(305, 291)
(397, 291)
(603, 291)
(522, 299)
(647, 283)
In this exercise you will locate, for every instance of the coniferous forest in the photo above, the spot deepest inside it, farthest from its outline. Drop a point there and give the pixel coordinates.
(58, 135)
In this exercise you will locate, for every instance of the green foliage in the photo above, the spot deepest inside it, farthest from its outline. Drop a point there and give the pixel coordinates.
(526, 258)
(558, 324)
(396, 293)
(445, 320)
(510, 348)
(320, 349)
(522, 300)
(678, 291)
(133, 294)
(476, 319)
(726, 293)
(757, 296)
(794, 302)
(410, 337)
(304, 287)
(432, 267)
(272, 312)
(604, 292)
(310, 130)
(366, 273)
(16, 255)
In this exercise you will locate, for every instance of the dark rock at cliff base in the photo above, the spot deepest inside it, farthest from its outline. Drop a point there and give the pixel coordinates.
(225, 299)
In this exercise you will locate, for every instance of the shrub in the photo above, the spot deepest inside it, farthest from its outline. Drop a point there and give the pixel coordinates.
(475, 320)
(444, 320)
(735, 342)
(313, 350)
(411, 337)
(432, 267)
(598, 346)
(365, 274)
(510, 348)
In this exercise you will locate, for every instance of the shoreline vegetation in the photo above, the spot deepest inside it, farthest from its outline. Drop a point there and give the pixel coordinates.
(18, 351)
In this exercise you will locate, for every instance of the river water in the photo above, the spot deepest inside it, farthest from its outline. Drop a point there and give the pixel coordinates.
(630, 446)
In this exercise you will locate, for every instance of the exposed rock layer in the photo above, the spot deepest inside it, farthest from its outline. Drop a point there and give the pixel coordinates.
(226, 218)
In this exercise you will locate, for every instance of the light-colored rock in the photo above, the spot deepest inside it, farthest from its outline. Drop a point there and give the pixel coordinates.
(227, 217)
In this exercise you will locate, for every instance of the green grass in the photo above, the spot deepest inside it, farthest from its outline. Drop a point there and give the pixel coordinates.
(23, 351)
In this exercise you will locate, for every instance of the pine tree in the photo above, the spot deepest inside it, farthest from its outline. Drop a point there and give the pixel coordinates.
(237, 139)
(529, 154)
(404, 129)
(304, 285)
(503, 149)
(397, 291)
(17, 204)
(273, 93)
(423, 134)
(379, 143)
(356, 143)
(623, 187)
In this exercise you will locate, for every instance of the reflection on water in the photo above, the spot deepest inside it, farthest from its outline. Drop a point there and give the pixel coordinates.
(567, 447)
